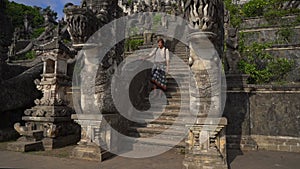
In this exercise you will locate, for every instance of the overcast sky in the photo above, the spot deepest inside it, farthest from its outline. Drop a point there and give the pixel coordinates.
(56, 5)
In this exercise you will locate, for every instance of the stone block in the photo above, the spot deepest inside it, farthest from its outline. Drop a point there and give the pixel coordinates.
(33, 135)
(52, 143)
(90, 152)
(25, 146)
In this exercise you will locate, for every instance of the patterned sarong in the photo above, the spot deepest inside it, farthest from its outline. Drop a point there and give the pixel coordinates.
(159, 75)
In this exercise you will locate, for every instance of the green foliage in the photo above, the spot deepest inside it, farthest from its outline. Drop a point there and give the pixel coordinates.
(133, 44)
(66, 41)
(261, 66)
(133, 31)
(156, 22)
(269, 9)
(257, 62)
(157, 18)
(235, 13)
(271, 14)
(17, 12)
(279, 68)
(286, 34)
(255, 8)
(37, 32)
(30, 55)
(298, 19)
(129, 1)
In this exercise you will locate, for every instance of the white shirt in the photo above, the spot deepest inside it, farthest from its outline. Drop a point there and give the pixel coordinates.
(159, 54)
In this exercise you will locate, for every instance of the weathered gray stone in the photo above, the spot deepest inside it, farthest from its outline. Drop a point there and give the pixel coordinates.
(206, 144)
(274, 35)
(232, 54)
(263, 117)
(13, 96)
(98, 136)
(26, 146)
(262, 22)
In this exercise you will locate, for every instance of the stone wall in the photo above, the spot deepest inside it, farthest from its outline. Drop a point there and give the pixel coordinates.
(274, 35)
(282, 33)
(264, 117)
(262, 22)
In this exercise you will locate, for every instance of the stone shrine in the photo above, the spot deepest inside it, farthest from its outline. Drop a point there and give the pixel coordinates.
(49, 125)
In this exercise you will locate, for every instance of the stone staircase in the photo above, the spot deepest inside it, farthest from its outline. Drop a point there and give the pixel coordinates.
(163, 125)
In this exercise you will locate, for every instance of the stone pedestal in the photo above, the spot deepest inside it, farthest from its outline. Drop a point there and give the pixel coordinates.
(206, 144)
(30, 141)
(98, 136)
(236, 80)
(45, 133)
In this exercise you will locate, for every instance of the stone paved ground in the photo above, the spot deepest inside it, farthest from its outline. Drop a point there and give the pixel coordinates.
(168, 160)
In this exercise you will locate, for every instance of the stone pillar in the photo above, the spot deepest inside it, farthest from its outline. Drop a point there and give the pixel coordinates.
(96, 113)
(98, 138)
(206, 144)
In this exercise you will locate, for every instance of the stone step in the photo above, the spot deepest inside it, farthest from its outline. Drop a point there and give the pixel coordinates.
(147, 46)
(177, 95)
(175, 98)
(180, 44)
(179, 77)
(179, 72)
(181, 67)
(181, 47)
(157, 130)
(174, 78)
(174, 87)
(173, 106)
(171, 137)
(161, 136)
(159, 119)
(166, 112)
(175, 102)
(180, 52)
(145, 144)
(184, 59)
(173, 82)
(156, 122)
(164, 125)
(170, 115)
(128, 53)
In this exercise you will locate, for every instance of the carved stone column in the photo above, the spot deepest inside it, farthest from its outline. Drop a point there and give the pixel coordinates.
(96, 113)
(206, 144)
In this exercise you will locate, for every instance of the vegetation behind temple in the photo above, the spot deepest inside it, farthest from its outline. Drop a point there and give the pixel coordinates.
(18, 12)
(256, 61)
